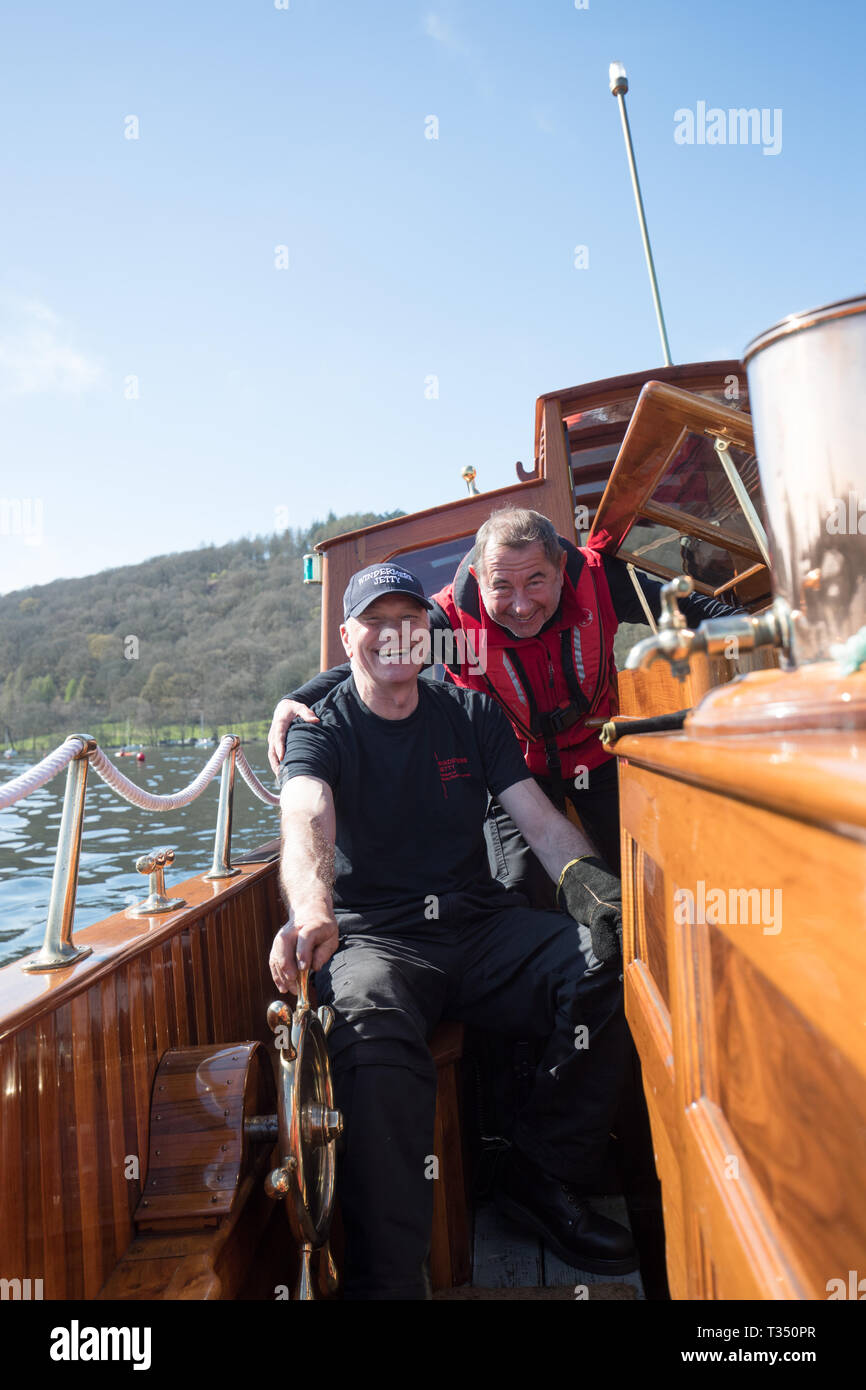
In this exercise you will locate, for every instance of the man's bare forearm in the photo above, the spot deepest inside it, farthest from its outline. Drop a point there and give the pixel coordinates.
(552, 837)
(307, 858)
(561, 842)
(306, 868)
(586, 890)
(311, 937)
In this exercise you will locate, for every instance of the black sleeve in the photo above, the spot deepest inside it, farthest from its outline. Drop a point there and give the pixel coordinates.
(627, 605)
(319, 686)
(500, 751)
(438, 618)
(311, 751)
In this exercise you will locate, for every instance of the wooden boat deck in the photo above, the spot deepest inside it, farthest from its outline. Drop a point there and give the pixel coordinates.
(508, 1263)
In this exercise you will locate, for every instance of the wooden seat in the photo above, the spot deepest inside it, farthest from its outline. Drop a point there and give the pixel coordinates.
(450, 1256)
(450, 1252)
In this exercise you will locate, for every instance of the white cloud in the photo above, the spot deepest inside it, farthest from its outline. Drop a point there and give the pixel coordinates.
(541, 119)
(38, 356)
(436, 28)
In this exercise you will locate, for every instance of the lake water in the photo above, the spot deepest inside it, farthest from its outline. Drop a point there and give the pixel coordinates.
(114, 835)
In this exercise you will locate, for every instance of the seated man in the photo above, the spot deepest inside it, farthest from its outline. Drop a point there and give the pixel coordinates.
(545, 614)
(393, 906)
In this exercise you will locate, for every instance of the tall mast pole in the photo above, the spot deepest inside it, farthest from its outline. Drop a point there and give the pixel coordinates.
(619, 87)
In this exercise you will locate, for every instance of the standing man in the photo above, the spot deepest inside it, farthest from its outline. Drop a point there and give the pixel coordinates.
(384, 866)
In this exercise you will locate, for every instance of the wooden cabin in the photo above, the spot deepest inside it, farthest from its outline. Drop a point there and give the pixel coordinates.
(130, 1079)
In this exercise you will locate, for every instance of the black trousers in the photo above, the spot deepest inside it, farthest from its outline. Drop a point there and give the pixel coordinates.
(514, 865)
(490, 961)
(512, 861)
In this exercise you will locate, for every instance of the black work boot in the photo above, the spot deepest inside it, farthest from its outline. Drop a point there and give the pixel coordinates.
(550, 1208)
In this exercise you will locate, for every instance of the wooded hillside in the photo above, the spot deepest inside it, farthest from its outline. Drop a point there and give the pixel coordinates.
(217, 633)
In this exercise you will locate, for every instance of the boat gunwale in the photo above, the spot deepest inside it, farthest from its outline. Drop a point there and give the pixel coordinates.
(24, 998)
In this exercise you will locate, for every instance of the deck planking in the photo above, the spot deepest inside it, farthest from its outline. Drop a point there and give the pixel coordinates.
(505, 1257)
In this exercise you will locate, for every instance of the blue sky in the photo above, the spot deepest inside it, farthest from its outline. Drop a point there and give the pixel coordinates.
(267, 394)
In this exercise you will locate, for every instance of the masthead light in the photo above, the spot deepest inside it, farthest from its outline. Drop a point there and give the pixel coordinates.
(618, 79)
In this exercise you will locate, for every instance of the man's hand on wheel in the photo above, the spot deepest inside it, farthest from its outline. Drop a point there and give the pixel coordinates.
(309, 944)
(591, 894)
(285, 712)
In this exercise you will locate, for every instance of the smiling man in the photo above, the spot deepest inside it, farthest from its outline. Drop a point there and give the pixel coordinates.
(542, 615)
(385, 870)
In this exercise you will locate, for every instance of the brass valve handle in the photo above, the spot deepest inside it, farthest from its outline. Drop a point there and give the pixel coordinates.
(308, 1126)
(676, 643)
(671, 616)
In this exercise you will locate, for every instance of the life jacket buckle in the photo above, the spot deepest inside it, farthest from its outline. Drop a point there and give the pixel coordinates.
(558, 720)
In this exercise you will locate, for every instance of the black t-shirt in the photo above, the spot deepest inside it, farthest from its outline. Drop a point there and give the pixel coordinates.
(410, 794)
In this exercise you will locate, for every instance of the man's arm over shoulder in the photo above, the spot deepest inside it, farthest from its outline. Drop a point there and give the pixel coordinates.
(317, 687)
(291, 708)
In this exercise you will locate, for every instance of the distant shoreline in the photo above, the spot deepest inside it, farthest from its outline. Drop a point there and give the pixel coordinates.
(40, 744)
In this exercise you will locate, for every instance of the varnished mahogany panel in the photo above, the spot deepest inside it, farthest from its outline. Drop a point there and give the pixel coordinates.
(759, 1139)
(815, 777)
(648, 1015)
(78, 1053)
(797, 1107)
(653, 917)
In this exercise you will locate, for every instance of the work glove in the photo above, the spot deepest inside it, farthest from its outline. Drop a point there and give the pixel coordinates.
(591, 894)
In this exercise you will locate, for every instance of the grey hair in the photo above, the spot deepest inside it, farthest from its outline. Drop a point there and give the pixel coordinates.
(517, 528)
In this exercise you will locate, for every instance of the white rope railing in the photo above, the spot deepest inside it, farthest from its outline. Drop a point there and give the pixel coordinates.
(79, 753)
(56, 761)
(40, 773)
(150, 801)
(252, 781)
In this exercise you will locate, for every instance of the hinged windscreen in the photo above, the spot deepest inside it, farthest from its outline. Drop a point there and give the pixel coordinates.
(684, 496)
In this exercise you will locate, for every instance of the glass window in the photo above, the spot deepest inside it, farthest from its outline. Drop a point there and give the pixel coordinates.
(695, 482)
(623, 408)
(436, 565)
(708, 564)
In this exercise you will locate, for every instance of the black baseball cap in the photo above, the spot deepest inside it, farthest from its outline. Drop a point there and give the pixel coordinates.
(376, 580)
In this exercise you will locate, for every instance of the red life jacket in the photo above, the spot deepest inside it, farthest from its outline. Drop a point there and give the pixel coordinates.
(548, 685)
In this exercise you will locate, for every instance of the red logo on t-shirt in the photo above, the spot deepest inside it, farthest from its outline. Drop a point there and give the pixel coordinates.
(449, 770)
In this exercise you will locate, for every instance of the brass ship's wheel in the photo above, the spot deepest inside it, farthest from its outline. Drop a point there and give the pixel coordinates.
(308, 1127)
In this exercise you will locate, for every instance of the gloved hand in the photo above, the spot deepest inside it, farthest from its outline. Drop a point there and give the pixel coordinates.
(591, 894)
